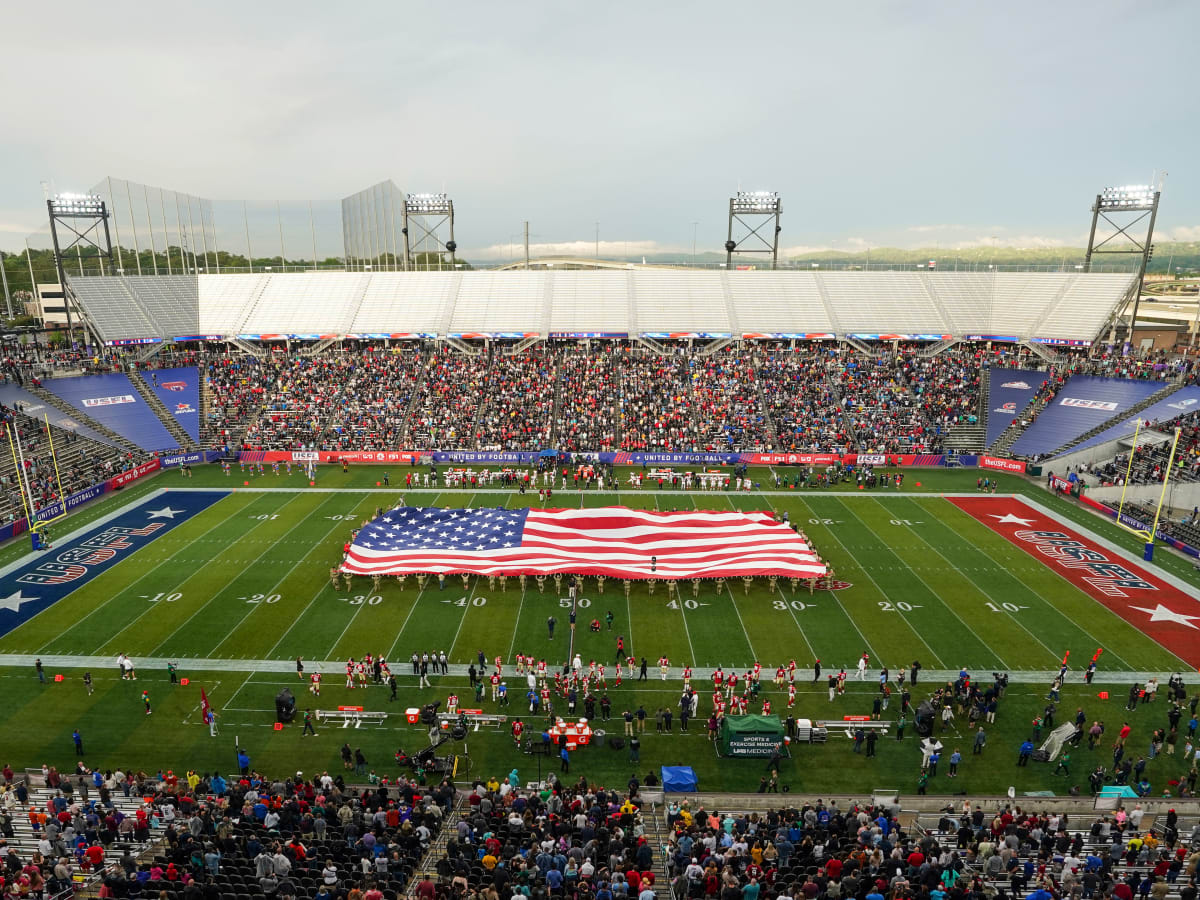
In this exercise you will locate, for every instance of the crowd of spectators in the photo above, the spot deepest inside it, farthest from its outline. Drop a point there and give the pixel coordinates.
(657, 405)
(615, 395)
(374, 406)
(905, 403)
(518, 411)
(729, 405)
(571, 839)
(454, 388)
(822, 850)
(797, 385)
(305, 392)
(217, 838)
(590, 387)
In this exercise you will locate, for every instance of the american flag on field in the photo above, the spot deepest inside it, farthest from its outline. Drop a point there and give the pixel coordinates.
(612, 541)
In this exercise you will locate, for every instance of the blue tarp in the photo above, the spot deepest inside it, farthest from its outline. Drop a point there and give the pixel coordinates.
(32, 405)
(179, 391)
(1183, 401)
(115, 403)
(1118, 791)
(1009, 392)
(679, 779)
(1083, 403)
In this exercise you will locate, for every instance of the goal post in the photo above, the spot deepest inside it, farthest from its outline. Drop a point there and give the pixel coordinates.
(1147, 536)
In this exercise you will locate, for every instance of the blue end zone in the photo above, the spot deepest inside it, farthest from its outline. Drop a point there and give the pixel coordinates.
(47, 578)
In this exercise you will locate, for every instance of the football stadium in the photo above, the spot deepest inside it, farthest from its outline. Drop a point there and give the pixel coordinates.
(403, 570)
(416, 528)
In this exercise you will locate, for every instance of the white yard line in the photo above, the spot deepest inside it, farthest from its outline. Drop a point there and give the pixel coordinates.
(149, 606)
(833, 595)
(208, 602)
(932, 591)
(102, 664)
(882, 592)
(317, 548)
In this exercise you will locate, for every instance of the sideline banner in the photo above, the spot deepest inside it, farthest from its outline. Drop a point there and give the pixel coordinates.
(186, 459)
(133, 474)
(616, 458)
(1004, 465)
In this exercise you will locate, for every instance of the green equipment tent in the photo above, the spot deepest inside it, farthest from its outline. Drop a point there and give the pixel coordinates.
(751, 736)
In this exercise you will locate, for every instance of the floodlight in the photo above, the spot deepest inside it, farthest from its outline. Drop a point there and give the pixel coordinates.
(1127, 197)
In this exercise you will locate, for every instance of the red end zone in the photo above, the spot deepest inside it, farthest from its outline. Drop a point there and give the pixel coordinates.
(1149, 604)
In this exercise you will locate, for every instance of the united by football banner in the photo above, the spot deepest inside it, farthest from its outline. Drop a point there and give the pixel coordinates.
(616, 458)
(612, 541)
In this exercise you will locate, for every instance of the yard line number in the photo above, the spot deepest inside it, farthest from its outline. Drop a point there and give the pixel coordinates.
(898, 606)
(361, 599)
(797, 605)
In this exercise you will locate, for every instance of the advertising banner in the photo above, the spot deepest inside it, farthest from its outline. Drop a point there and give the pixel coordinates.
(752, 735)
(133, 474)
(179, 391)
(196, 456)
(1004, 465)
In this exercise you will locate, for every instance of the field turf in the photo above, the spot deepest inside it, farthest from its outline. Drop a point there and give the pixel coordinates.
(247, 581)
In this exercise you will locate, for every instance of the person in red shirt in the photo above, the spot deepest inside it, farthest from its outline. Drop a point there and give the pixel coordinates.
(1123, 734)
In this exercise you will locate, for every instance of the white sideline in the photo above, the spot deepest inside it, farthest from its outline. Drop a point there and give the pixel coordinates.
(402, 669)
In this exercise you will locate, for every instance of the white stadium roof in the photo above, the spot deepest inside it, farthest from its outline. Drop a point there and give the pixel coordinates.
(659, 303)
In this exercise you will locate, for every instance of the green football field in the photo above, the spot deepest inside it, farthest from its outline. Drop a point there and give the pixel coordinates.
(241, 589)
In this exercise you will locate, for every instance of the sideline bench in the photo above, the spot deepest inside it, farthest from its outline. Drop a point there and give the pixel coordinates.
(348, 714)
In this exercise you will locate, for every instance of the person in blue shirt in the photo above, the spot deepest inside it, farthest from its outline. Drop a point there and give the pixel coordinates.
(1024, 754)
(955, 759)
(554, 878)
(566, 759)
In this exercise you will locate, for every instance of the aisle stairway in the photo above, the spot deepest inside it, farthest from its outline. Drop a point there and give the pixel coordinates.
(138, 380)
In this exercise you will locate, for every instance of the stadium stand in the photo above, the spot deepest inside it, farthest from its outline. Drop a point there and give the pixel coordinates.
(641, 300)
(380, 387)
(82, 462)
(590, 386)
(205, 835)
(112, 401)
(1082, 403)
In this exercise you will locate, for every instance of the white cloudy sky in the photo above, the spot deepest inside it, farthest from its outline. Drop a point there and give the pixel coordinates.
(880, 123)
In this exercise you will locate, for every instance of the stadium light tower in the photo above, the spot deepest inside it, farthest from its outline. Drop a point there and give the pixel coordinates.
(84, 217)
(428, 213)
(1123, 209)
(752, 212)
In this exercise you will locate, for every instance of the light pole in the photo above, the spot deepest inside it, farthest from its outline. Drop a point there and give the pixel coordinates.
(695, 226)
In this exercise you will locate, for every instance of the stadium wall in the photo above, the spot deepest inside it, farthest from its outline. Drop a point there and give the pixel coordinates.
(621, 458)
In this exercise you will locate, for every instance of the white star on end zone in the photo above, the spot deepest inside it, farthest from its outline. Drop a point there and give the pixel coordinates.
(1161, 614)
(165, 513)
(1010, 519)
(14, 601)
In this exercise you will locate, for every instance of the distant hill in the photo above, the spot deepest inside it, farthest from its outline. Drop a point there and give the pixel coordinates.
(1184, 256)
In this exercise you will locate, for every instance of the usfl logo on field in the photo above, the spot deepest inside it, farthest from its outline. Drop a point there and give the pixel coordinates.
(1016, 385)
(181, 408)
(174, 385)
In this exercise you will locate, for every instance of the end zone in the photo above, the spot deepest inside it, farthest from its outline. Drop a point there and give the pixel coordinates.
(41, 580)
(1154, 604)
